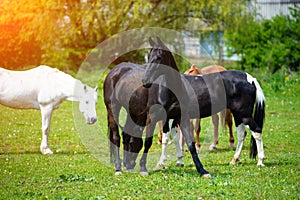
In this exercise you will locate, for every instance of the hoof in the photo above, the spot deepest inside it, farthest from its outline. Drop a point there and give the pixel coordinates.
(179, 164)
(234, 161)
(208, 176)
(144, 173)
(47, 151)
(260, 163)
(129, 170)
(212, 148)
(160, 166)
(118, 173)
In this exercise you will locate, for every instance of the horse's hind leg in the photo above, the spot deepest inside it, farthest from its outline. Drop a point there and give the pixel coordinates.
(112, 118)
(260, 148)
(159, 124)
(257, 145)
(228, 121)
(197, 130)
(46, 119)
(215, 120)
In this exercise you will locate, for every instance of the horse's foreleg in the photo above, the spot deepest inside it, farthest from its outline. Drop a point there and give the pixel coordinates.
(215, 121)
(241, 132)
(147, 145)
(126, 140)
(114, 137)
(46, 119)
(191, 145)
(135, 145)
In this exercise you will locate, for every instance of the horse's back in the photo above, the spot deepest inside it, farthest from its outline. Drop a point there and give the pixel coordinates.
(123, 72)
(212, 69)
(25, 89)
(124, 80)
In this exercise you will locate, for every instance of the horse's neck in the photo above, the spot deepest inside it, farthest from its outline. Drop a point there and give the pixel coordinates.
(73, 91)
(171, 88)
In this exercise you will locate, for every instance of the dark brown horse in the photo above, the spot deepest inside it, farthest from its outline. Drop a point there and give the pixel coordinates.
(180, 96)
(123, 88)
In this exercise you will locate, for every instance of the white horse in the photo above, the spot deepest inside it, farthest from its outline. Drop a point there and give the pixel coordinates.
(45, 88)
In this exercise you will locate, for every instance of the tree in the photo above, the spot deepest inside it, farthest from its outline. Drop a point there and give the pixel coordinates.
(62, 33)
(66, 30)
(272, 44)
(217, 18)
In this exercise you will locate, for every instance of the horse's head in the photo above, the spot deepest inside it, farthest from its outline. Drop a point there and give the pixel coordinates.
(193, 70)
(87, 104)
(158, 57)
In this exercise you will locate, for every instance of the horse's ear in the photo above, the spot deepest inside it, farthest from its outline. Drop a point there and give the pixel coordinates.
(96, 88)
(151, 42)
(85, 88)
(160, 42)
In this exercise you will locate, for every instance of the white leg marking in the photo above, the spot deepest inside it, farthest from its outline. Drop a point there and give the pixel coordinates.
(260, 148)
(176, 139)
(181, 141)
(163, 157)
(241, 136)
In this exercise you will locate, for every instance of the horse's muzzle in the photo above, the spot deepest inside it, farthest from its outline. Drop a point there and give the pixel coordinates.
(91, 120)
(147, 85)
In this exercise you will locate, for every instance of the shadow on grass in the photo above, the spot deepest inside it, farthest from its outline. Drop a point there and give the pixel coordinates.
(39, 153)
(188, 170)
(219, 150)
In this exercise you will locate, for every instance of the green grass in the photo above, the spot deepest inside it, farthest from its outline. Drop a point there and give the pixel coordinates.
(75, 173)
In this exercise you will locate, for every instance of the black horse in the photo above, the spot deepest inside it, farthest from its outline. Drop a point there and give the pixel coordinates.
(185, 97)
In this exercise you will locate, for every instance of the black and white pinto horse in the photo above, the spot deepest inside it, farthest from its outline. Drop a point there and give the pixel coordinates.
(180, 94)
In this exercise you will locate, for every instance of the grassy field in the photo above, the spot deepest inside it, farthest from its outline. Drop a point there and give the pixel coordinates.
(73, 172)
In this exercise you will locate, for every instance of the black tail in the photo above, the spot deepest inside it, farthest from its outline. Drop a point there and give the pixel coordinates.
(259, 116)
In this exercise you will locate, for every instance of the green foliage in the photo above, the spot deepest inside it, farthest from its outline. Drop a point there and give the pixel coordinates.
(216, 17)
(271, 44)
(63, 33)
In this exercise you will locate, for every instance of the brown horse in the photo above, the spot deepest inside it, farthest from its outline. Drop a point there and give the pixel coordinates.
(226, 117)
